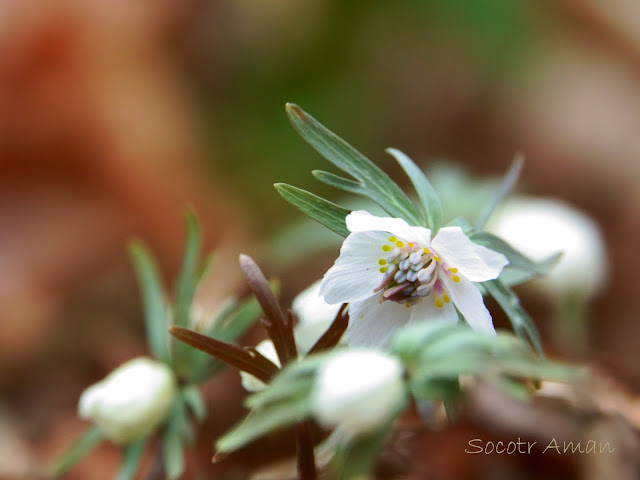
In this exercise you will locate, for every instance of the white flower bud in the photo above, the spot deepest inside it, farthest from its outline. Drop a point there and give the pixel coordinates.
(314, 315)
(132, 401)
(540, 227)
(358, 391)
(268, 350)
(310, 307)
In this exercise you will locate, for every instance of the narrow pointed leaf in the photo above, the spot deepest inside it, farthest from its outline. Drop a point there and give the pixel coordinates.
(193, 398)
(131, 460)
(261, 422)
(512, 277)
(357, 457)
(188, 277)
(429, 199)
(339, 182)
(323, 211)
(155, 305)
(522, 323)
(80, 449)
(507, 185)
(382, 189)
(173, 442)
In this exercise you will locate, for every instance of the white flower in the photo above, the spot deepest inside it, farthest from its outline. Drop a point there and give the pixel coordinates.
(314, 318)
(393, 274)
(268, 350)
(358, 391)
(130, 402)
(540, 227)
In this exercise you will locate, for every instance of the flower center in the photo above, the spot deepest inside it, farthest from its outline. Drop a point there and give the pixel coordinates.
(411, 272)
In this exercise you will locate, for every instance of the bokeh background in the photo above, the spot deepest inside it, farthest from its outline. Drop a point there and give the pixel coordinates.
(116, 115)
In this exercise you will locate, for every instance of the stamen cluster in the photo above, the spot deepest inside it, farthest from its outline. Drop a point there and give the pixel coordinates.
(411, 273)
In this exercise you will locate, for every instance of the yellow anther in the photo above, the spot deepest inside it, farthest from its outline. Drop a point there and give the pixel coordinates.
(439, 303)
(446, 298)
(426, 250)
(384, 269)
(393, 239)
(411, 244)
(382, 261)
(436, 258)
(408, 305)
(456, 278)
(399, 243)
(387, 248)
(454, 270)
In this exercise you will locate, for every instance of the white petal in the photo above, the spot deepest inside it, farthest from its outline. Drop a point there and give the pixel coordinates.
(466, 296)
(311, 308)
(356, 272)
(361, 221)
(427, 310)
(372, 324)
(475, 262)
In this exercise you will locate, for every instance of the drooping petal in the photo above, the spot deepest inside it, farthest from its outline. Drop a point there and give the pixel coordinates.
(475, 262)
(356, 272)
(372, 324)
(427, 310)
(466, 296)
(362, 221)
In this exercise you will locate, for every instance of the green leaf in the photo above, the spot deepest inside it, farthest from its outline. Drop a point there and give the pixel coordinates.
(357, 457)
(522, 323)
(193, 398)
(376, 184)
(428, 197)
(80, 449)
(188, 278)
(339, 182)
(285, 401)
(323, 211)
(436, 357)
(131, 460)
(155, 305)
(508, 184)
(260, 422)
(189, 273)
(462, 223)
(514, 276)
(411, 341)
(292, 383)
(177, 430)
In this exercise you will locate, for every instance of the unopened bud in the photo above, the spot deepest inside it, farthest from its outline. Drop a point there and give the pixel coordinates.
(358, 390)
(132, 401)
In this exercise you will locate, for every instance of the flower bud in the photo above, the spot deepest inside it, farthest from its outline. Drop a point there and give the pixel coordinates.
(268, 350)
(358, 391)
(540, 227)
(314, 315)
(132, 401)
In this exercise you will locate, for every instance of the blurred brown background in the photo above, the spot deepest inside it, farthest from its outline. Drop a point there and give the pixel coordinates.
(115, 115)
